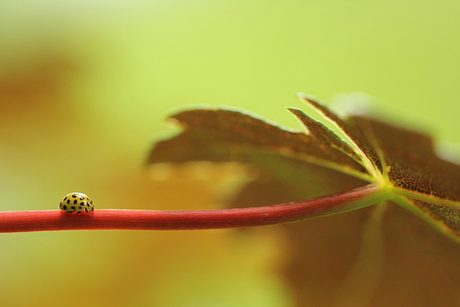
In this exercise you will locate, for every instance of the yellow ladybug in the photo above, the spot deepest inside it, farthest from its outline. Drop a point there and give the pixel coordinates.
(77, 202)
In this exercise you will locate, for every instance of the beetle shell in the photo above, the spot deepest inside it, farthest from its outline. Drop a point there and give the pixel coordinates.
(76, 202)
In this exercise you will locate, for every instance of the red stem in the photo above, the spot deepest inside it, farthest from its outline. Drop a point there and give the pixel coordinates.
(19, 221)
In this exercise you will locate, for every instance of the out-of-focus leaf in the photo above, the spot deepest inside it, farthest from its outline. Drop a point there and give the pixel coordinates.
(377, 256)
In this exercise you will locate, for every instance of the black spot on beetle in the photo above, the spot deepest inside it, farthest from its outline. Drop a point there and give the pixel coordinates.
(73, 207)
(75, 201)
(65, 198)
(64, 207)
(68, 201)
(82, 203)
(74, 195)
(81, 198)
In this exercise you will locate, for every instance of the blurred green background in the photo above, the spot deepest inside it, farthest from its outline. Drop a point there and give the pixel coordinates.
(85, 86)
